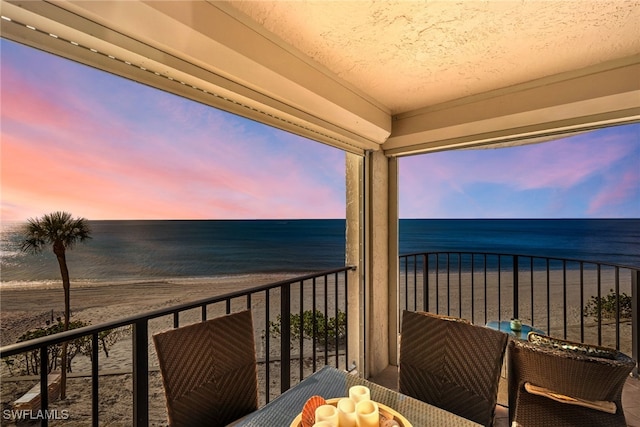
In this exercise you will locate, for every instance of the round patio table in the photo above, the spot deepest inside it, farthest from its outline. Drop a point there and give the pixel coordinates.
(330, 383)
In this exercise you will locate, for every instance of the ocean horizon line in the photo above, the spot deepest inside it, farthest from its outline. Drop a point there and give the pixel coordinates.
(14, 221)
(152, 249)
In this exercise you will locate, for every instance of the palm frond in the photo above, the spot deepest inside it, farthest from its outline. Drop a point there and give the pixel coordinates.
(57, 227)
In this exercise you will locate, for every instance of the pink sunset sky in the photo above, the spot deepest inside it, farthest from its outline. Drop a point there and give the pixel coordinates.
(102, 147)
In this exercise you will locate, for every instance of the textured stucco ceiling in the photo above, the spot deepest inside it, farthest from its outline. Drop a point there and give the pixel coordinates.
(408, 55)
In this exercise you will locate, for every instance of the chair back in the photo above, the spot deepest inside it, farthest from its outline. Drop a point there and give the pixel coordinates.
(563, 383)
(452, 364)
(209, 371)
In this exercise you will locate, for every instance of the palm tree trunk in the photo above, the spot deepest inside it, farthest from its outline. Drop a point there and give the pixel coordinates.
(59, 250)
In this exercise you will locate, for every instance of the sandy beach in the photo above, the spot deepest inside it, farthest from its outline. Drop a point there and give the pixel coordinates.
(24, 309)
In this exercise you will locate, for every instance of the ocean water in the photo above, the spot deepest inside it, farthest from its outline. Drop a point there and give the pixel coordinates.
(615, 241)
(165, 250)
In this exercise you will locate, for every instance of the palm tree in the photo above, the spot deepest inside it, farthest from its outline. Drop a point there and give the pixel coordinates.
(60, 230)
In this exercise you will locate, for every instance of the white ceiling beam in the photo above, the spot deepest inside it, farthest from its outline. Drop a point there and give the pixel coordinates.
(600, 96)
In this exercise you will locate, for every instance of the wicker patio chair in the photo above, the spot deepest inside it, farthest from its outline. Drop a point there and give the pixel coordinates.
(563, 383)
(452, 364)
(209, 371)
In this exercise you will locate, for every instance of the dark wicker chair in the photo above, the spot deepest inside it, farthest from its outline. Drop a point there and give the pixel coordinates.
(452, 364)
(209, 371)
(565, 369)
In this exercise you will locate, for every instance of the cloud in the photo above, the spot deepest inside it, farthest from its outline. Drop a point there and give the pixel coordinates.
(498, 182)
(177, 160)
(622, 189)
(122, 150)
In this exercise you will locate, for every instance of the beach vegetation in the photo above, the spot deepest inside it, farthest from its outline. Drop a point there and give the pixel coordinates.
(29, 362)
(60, 231)
(325, 328)
(606, 307)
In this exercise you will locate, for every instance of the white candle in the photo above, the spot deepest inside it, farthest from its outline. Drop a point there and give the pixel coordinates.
(358, 393)
(347, 412)
(367, 414)
(327, 413)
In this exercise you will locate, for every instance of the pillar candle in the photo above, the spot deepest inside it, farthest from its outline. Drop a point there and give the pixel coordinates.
(367, 414)
(327, 413)
(359, 392)
(347, 412)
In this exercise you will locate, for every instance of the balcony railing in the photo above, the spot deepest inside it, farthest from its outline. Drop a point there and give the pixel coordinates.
(552, 294)
(578, 300)
(300, 325)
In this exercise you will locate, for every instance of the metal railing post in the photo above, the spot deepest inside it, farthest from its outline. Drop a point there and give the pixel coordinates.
(285, 337)
(516, 288)
(44, 384)
(95, 389)
(425, 282)
(140, 373)
(635, 320)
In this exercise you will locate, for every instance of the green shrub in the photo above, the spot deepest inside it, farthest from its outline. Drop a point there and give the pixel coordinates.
(28, 363)
(324, 327)
(607, 306)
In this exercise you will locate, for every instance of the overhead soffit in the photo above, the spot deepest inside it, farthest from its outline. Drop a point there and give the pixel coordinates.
(405, 76)
(413, 54)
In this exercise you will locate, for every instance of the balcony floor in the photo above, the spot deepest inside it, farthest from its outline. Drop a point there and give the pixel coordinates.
(630, 397)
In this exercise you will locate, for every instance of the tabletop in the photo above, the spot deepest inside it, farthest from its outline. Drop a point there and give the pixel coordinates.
(505, 326)
(329, 383)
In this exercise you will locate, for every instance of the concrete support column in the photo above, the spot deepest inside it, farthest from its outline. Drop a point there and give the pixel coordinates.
(354, 253)
(372, 245)
(393, 252)
(378, 262)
